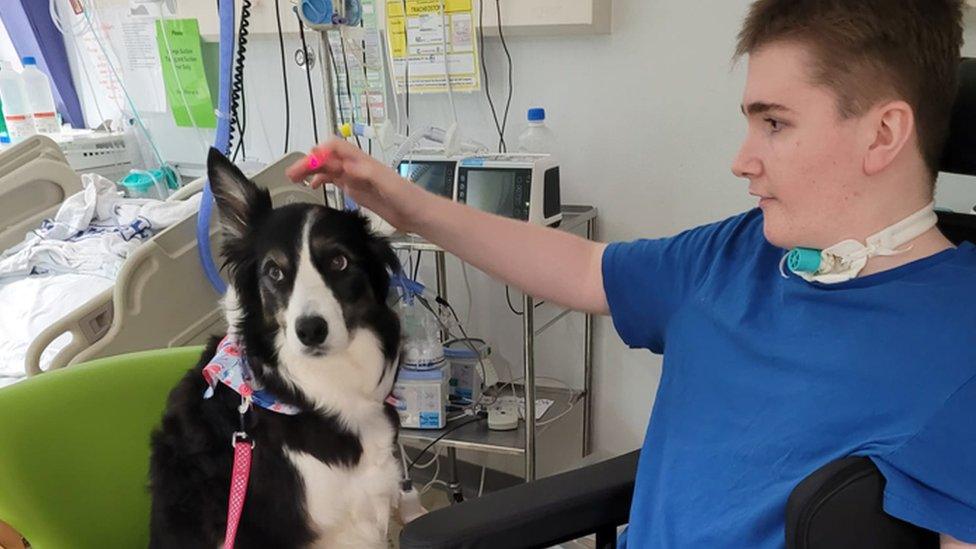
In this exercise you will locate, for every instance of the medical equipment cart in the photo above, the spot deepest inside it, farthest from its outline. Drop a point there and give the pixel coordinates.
(476, 436)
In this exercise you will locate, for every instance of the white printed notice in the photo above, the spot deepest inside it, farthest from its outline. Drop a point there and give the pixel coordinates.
(142, 67)
(428, 45)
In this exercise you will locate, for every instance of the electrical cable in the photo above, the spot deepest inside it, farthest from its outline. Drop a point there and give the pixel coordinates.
(416, 267)
(508, 298)
(284, 76)
(467, 288)
(369, 113)
(238, 108)
(447, 329)
(406, 68)
(440, 437)
(437, 473)
(335, 74)
(403, 460)
(308, 76)
(561, 415)
(511, 82)
(240, 148)
(484, 69)
(468, 340)
(481, 485)
(433, 483)
(464, 338)
(570, 404)
(419, 465)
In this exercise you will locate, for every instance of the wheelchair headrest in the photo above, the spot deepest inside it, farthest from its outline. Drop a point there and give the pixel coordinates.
(960, 151)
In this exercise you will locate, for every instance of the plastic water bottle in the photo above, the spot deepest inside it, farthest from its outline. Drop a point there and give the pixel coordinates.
(16, 109)
(422, 348)
(537, 137)
(38, 89)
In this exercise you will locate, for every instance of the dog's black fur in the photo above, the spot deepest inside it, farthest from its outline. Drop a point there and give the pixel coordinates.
(191, 451)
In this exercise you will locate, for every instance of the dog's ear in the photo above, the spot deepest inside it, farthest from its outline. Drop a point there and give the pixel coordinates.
(240, 202)
(387, 262)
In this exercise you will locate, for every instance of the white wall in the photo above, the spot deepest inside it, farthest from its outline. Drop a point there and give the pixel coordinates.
(648, 123)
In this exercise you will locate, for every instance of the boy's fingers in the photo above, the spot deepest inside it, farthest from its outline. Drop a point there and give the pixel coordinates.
(297, 171)
(318, 180)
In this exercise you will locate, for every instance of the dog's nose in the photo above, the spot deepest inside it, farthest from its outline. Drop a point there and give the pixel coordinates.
(311, 330)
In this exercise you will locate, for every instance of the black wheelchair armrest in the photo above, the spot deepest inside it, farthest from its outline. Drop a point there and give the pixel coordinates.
(841, 505)
(552, 510)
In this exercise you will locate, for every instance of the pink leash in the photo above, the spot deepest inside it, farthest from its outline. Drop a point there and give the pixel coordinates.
(243, 446)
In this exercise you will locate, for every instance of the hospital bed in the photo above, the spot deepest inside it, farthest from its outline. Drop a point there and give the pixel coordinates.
(160, 298)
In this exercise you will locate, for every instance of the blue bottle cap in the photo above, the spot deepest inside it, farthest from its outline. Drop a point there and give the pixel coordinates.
(29, 60)
(803, 260)
(537, 114)
(4, 139)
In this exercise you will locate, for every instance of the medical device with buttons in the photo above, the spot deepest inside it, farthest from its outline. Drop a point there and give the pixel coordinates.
(519, 186)
(433, 171)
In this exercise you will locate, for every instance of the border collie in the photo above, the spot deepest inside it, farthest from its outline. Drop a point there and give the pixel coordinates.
(307, 304)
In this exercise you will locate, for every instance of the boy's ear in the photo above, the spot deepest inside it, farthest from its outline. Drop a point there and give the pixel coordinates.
(240, 202)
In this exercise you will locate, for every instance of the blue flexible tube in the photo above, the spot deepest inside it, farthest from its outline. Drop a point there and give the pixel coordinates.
(222, 143)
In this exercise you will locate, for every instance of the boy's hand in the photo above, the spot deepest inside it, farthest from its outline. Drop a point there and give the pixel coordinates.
(363, 179)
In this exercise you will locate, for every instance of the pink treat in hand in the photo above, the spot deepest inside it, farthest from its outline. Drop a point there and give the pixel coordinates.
(315, 162)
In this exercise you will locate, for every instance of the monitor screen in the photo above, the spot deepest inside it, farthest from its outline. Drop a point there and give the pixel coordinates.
(492, 191)
(436, 177)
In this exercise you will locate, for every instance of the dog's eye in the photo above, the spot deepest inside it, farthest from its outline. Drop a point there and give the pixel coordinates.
(339, 263)
(274, 272)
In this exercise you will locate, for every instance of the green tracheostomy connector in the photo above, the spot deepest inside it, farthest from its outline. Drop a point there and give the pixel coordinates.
(803, 260)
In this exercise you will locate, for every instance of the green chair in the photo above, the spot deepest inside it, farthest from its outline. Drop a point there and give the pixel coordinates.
(74, 449)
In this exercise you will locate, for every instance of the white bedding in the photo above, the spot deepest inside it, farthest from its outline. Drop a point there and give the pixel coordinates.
(69, 260)
(30, 305)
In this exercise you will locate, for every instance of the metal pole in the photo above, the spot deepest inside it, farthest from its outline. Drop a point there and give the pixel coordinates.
(588, 371)
(330, 101)
(328, 72)
(441, 272)
(528, 334)
(453, 483)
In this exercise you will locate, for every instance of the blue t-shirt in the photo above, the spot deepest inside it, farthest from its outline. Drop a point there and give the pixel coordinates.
(767, 379)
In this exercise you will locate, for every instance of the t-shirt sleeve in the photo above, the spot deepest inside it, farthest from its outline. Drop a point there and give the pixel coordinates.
(931, 479)
(646, 281)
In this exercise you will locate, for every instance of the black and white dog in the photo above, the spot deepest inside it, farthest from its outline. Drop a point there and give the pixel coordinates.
(307, 304)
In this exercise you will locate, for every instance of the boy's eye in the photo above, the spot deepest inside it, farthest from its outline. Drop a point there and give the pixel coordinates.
(774, 124)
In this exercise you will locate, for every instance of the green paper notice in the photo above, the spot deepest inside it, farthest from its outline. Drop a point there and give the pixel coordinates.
(183, 75)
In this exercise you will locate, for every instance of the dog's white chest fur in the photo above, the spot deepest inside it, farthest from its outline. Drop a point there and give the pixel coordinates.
(351, 506)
